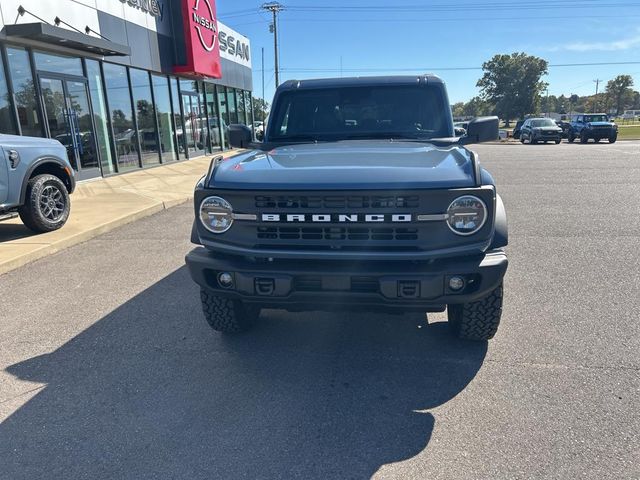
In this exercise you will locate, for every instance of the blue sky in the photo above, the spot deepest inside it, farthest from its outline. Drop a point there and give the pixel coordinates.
(431, 35)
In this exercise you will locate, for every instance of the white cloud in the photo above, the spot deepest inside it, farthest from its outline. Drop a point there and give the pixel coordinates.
(614, 45)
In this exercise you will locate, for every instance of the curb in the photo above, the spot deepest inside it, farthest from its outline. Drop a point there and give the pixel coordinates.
(82, 237)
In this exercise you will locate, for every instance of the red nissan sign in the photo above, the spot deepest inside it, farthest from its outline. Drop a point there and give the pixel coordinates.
(201, 39)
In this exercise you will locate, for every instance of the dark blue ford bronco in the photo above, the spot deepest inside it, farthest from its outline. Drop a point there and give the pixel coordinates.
(592, 125)
(359, 197)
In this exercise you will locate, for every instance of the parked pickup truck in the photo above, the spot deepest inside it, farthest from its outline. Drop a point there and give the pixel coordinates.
(594, 125)
(359, 197)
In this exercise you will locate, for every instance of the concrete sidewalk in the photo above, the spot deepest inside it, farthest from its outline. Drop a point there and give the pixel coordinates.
(101, 205)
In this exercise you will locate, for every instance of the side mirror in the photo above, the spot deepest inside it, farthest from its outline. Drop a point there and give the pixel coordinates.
(459, 131)
(239, 135)
(481, 129)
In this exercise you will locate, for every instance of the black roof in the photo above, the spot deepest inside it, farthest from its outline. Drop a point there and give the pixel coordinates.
(359, 81)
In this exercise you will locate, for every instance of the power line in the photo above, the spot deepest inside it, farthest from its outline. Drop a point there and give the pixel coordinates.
(541, 4)
(428, 69)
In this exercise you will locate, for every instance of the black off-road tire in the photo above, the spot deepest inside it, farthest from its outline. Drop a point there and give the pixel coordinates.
(226, 315)
(571, 137)
(613, 139)
(477, 320)
(36, 213)
(558, 141)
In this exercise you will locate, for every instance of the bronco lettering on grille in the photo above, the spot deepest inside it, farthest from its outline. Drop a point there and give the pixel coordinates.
(337, 218)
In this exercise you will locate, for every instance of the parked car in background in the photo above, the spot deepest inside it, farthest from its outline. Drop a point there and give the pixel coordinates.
(536, 130)
(594, 126)
(36, 180)
(516, 129)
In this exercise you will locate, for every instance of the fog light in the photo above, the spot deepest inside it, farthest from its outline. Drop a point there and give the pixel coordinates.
(456, 283)
(225, 280)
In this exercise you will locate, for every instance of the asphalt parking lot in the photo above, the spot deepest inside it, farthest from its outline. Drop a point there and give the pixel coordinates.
(108, 370)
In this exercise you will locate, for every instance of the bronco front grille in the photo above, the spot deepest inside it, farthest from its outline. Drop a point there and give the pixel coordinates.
(313, 283)
(336, 201)
(336, 233)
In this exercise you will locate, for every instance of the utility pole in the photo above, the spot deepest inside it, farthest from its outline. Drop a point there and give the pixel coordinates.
(274, 8)
(264, 114)
(547, 102)
(595, 101)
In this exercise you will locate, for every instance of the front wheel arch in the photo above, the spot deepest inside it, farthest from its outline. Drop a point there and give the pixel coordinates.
(501, 230)
(47, 165)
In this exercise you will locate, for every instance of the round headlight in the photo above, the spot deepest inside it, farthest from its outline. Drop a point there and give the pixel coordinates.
(216, 214)
(466, 215)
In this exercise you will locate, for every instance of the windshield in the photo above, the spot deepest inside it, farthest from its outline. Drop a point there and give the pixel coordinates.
(545, 122)
(416, 112)
(596, 118)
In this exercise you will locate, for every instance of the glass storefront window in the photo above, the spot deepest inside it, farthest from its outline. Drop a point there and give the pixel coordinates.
(58, 63)
(119, 98)
(188, 85)
(24, 91)
(231, 100)
(248, 108)
(177, 117)
(163, 112)
(7, 124)
(222, 104)
(100, 116)
(241, 116)
(145, 116)
(214, 117)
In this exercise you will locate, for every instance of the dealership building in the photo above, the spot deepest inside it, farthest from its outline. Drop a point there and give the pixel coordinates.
(123, 84)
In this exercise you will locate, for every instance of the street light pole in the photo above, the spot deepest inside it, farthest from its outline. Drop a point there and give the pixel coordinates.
(275, 8)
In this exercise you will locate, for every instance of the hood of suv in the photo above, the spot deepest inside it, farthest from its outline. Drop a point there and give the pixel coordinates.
(17, 141)
(353, 164)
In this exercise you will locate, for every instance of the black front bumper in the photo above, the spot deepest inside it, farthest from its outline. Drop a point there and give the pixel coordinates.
(325, 285)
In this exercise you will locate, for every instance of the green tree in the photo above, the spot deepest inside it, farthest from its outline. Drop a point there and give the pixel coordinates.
(476, 107)
(513, 84)
(620, 92)
(260, 109)
(457, 109)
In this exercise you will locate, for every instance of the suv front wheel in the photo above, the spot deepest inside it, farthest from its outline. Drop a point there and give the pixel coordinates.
(477, 320)
(46, 205)
(226, 315)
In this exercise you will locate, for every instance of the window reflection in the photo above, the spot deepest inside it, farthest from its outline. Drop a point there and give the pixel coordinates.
(222, 103)
(24, 91)
(126, 141)
(163, 112)
(145, 115)
(177, 117)
(215, 120)
(231, 100)
(7, 124)
(100, 116)
(240, 99)
(58, 63)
